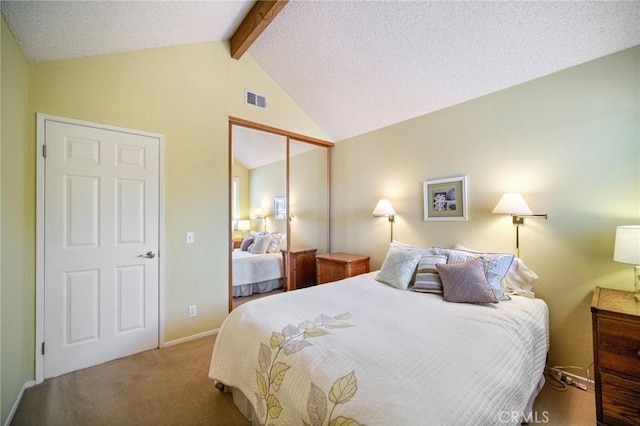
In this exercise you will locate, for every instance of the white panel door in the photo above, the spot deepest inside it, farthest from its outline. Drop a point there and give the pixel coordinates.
(101, 236)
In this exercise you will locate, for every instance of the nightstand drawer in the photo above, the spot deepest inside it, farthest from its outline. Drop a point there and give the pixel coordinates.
(620, 400)
(619, 346)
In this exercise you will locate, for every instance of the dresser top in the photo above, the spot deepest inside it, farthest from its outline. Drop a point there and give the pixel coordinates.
(299, 250)
(342, 257)
(617, 301)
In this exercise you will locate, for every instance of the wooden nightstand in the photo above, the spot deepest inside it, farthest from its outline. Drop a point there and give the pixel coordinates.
(237, 243)
(337, 266)
(302, 272)
(616, 354)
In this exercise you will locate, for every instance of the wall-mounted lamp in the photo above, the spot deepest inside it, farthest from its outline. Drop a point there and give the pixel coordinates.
(512, 203)
(385, 209)
(627, 250)
(244, 226)
(260, 214)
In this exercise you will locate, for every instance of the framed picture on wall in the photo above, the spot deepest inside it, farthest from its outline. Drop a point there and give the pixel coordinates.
(279, 208)
(445, 199)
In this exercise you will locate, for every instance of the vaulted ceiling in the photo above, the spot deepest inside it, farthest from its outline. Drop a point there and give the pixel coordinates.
(353, 66)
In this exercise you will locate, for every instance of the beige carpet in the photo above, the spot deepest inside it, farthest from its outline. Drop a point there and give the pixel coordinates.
(170, 387)
(160, 387)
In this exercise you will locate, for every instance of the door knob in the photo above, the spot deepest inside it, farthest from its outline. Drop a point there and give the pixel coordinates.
(150, 255)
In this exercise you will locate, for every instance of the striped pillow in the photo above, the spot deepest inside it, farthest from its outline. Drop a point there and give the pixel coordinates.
(427, 277)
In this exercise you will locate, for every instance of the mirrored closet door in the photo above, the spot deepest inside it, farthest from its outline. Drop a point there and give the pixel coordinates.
(279, 191)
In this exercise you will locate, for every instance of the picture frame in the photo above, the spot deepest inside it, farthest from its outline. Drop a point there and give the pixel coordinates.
(445, 199)
(279, 208)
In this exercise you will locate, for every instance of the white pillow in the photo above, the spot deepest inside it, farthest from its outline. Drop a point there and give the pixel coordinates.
(519, 280)
(425, 251)
(260, 244)
(274, 245)
(398, 267)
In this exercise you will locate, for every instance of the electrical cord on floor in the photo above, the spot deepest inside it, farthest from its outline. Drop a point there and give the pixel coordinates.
(556, 379)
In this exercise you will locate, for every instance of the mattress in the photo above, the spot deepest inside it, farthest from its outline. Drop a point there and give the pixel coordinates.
(251, 268)
(359, 350)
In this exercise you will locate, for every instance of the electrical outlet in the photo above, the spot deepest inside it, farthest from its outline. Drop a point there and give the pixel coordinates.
(190, 238)
(193, 311)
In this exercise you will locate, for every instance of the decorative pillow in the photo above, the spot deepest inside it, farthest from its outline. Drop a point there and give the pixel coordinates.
(398, 267)
(496, 266)
(274, 245)
(260, 244)
(427, 278)
(248, 240)
(466, 282)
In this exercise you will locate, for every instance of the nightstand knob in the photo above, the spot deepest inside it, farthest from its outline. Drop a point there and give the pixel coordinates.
(638, 353)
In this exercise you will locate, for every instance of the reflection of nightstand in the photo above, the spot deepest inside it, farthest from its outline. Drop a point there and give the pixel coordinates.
(337, 266)
(237, 243)
(616, 353)
(302, 272)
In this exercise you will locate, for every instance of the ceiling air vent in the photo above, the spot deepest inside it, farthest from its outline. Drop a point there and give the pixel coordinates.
(255, 99)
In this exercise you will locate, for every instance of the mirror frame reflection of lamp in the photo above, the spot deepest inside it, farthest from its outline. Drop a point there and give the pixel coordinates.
(512, 203)
(385, 209)
(627, 250)
(260, 214)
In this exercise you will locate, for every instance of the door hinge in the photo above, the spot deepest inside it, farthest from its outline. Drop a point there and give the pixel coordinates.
(42, 348)
(44, 151)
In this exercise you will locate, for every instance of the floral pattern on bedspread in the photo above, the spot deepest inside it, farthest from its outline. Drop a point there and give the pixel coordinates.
(272, 371)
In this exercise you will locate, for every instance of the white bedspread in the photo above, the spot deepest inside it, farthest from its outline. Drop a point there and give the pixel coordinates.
(362, 350)
(251, 268)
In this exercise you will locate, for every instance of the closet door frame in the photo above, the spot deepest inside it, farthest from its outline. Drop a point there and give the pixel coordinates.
(290, 136)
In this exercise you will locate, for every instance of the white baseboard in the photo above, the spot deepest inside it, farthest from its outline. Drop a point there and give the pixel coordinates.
(189, 338)
(12, 413)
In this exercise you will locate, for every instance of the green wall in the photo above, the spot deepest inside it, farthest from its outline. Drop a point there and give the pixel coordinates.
(17, 213)
(569, 142)
(187, 94)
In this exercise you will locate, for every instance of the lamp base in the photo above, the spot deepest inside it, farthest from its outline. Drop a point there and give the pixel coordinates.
(636, 274)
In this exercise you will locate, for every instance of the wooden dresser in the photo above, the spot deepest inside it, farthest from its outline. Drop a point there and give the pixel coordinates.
(302, 271)
(337, 266)
(616, 353)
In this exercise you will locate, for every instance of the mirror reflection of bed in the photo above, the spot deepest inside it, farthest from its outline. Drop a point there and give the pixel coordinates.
(276, 197)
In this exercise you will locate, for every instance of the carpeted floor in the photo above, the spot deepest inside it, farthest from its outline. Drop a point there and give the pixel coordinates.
(159, 387)
(170, 387)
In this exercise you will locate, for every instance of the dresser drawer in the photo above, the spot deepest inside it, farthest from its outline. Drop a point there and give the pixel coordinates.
(620, 400)
(619, 346)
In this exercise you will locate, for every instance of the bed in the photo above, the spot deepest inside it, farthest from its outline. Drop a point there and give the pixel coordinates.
(256, 273)
(359, 351)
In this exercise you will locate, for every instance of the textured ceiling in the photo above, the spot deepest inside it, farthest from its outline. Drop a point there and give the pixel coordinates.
(353, 66)
(255, 148)
(358, 66)
(52, 30)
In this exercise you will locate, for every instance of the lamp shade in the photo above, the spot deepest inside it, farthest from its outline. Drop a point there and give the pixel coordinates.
(627, 246)
(384, 208)
(512, 203)
(244, 225)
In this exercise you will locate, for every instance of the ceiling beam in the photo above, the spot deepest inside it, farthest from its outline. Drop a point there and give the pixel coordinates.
(256, 21)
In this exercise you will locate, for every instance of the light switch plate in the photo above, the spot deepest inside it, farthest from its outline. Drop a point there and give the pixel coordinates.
(190, 238)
